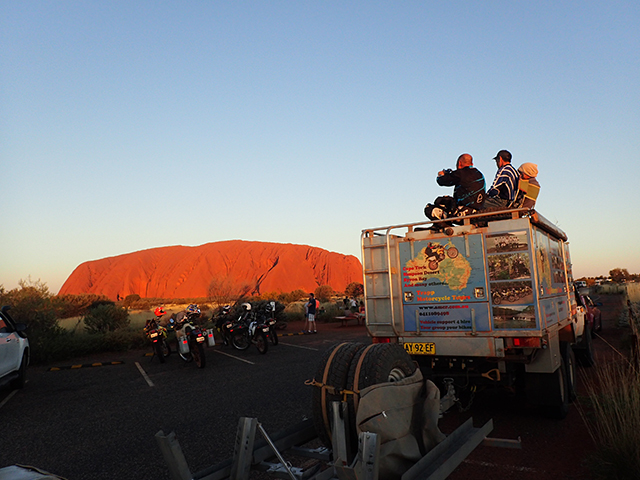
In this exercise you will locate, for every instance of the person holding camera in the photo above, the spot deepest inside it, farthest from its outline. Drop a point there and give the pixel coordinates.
(468, 192)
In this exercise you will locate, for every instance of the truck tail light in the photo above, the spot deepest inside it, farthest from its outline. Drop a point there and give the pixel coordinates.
(523, 342)
(380, 340)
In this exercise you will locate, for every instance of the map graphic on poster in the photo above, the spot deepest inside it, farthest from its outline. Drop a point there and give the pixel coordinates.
(437, 261)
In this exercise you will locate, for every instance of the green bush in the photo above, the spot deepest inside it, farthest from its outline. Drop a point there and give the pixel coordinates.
(104, 318)
(31, 304)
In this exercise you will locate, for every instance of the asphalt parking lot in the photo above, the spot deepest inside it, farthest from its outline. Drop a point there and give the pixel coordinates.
(96, 417)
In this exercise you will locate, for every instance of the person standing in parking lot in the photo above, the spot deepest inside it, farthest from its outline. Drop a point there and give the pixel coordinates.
(503, 191)
(311, 319)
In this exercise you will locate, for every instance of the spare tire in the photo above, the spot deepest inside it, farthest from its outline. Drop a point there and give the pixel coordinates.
(329, 382)
(377, 363)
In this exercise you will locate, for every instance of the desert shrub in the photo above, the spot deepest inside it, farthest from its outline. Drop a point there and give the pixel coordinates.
(323, 293)
(329, 311)
(69, 345)
(225, 290)
(105, 318)
(294, 311)
(67, 306)
(354, 290)
(129, 300)
(31, 304)
(142, 304)
(294, 296)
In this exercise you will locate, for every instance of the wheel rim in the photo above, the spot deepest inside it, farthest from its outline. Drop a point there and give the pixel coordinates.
(240, 341)
(396, 374)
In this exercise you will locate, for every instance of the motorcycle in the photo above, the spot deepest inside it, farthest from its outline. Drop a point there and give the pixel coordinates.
(223, 323)
(191, 338)
(247, 330)
(158, 336)
(266, 316)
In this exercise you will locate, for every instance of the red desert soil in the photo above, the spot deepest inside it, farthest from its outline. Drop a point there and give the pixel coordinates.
(186, 272)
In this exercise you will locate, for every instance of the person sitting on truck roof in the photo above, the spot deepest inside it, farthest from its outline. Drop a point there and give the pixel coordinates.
(528, 186)
(503, 191)
(468, 191)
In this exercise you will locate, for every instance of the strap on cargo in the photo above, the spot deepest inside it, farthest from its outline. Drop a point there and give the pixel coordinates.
(357, 377)
(323, 394)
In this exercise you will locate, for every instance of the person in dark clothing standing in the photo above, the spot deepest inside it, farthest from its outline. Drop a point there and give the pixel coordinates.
(468, 192)
(311, 308)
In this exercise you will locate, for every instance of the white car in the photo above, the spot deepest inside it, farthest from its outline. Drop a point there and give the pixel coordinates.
(14, 351)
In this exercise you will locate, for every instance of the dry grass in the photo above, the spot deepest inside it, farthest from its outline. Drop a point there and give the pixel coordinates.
(613, 418)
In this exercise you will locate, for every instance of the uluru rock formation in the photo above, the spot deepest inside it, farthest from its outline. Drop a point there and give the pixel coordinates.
(187, 272)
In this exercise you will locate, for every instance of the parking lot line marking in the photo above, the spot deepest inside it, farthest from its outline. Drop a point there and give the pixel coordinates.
(494, 466)
(233, 356)
(298, 346)
(144, 374)
(8, 398)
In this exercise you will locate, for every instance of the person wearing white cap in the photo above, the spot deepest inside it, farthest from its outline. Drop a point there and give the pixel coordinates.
(528, 186)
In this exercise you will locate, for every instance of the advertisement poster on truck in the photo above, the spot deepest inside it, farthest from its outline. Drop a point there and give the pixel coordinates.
(511, 283)
(443, 283)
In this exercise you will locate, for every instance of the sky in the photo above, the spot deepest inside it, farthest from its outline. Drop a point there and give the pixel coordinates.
(126, 126)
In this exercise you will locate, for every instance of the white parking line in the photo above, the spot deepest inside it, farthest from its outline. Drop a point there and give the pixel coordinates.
(8, 398)
(233, 356)
(298, 346)
(144, 374)
(494, 466)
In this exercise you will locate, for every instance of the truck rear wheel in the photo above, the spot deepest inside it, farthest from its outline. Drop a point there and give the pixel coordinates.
(560, 409)
(585, 348)
(569, 359)
(330, 380)
(551, 391)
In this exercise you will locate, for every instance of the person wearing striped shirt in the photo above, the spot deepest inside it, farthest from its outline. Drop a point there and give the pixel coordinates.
(504, 189)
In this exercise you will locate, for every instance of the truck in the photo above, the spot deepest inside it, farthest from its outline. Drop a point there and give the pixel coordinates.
(486, 299)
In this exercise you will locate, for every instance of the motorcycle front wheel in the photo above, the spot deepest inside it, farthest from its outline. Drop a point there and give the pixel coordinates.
(261, 342)
(197, 352)
(164, 346)
(273, 335)
(157, 351)
(240, 340)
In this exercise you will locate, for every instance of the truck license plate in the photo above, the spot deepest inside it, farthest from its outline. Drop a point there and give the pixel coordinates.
(420, 348)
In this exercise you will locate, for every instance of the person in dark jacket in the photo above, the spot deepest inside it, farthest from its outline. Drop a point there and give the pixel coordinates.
(468, 192)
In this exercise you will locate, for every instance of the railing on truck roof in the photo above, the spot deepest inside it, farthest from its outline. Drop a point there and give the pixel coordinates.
(482, 217)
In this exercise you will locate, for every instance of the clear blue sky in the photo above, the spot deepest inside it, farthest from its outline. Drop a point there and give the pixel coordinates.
(131, 125)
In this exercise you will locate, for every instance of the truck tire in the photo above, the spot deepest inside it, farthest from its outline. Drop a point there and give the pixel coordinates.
(550, 391)
(329, 382)
(584, 349)
(569, 358)
(561, 407)
(377, 363)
